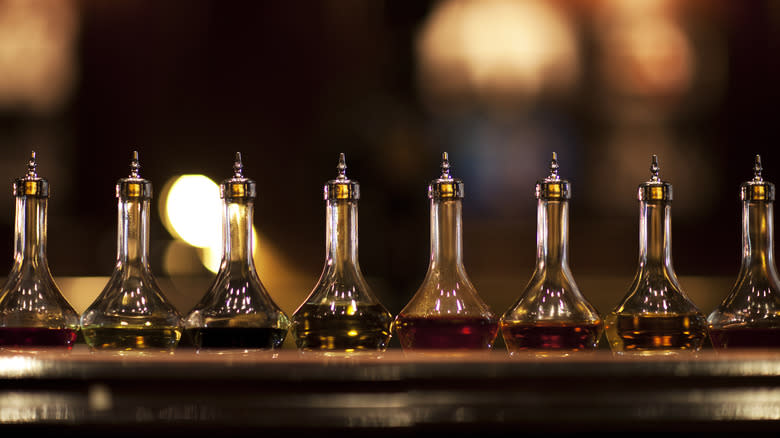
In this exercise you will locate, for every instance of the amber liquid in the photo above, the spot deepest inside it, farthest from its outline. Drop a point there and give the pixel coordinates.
(446, 333)
(127, 339)
(523, 336)
(242, 338)
(341, 328)
(745, 337)
(656, 332)
(37, 337)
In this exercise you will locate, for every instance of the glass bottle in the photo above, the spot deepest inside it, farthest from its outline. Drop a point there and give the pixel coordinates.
(551, 317)
(656, 316)
(237, 313)
(446, 312)
(341, 314)
(131, 313)
(33, 311)
(749, 316)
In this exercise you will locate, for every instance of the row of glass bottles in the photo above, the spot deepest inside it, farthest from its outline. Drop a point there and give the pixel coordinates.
(341, 314)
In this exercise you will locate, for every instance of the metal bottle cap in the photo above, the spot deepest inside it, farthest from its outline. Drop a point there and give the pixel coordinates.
(757, 189)
(553, 187)
(655, 189)
(31, 184)
(134, 187)
(238, 187)
(341, 188)
(445, 187)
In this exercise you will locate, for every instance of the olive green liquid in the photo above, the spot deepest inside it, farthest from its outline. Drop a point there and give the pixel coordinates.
(133, 338)
(341, 328)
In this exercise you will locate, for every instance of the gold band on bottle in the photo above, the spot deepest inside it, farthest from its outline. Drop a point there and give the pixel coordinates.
(134, 188)
(655, 191)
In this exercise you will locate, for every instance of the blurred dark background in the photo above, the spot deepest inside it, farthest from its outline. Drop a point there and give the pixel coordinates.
(498, 84)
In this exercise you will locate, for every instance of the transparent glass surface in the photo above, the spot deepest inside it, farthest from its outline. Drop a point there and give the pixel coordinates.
(656, 317)
(749, 316)
(132, 313)
(342, 314)
(33, 311)
(446, 312)
(236, 314)
(551, 317)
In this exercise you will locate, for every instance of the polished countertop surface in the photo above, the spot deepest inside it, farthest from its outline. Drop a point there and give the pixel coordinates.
(395, 392)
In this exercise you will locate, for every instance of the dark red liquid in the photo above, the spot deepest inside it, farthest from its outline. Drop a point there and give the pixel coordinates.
(446, 333)
(745, 337)
(247, 338)
(551, 336)
(37, 337)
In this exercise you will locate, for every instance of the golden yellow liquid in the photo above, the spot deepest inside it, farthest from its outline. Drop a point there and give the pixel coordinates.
(132, 338)
(655, 333)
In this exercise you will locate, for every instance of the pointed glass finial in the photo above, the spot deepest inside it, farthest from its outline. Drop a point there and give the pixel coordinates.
(134, 166)
(32, 166)
(238, 166)
(342, 167)
(654, 169)
(445, 166)
(554, 167)
(757, 169)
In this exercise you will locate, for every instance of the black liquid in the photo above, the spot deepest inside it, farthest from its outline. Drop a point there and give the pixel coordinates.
(246, 338)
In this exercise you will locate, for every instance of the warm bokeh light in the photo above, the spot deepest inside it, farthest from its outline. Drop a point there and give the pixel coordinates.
(37, 51)
(646, 51)
(192, 210)
(496, 51)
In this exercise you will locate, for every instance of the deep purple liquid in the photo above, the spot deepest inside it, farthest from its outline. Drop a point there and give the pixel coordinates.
(37, 337)
(249, 338)
(745, 337)
(446, 333)
(551, 336)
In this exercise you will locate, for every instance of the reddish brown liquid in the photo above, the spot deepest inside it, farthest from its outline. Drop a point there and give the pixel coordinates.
(36, 337)
(745, 337)
(551, 336)
(446, 333)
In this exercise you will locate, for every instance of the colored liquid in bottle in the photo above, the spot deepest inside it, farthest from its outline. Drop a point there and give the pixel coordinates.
(446, 333)
(37, 337)
(342, 328)
(127, 339)
(241, 338)
(564, 336)
(745, 337)
(658, 332)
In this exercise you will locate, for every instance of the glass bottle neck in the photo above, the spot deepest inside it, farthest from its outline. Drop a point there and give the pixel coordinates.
(758, 237)
(655, 237)
(341, 237)
(446, 235)
(552, 234)
(133, 232)
(30, 230)
(237, 235)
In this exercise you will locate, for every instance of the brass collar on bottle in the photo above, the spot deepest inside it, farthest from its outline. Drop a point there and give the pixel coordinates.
(33, 187)
(341, 189)
(236, 189)
(757, 191)
(134, 188)
(549, 189)
(445, 188)
(655, 191)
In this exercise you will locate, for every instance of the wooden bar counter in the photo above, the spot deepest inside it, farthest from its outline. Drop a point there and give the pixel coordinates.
(84, 393)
